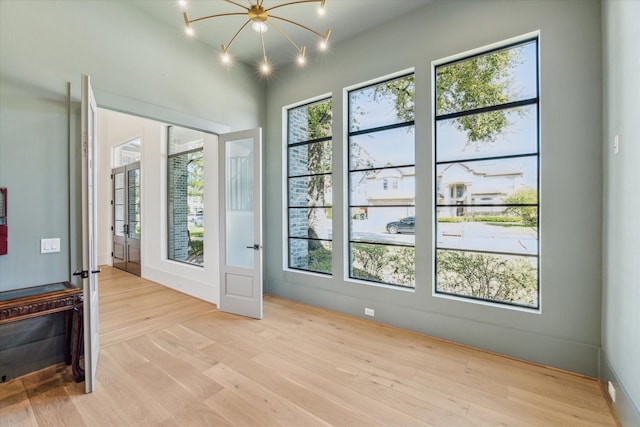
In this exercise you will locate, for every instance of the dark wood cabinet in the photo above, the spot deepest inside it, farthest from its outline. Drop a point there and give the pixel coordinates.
(26, 303)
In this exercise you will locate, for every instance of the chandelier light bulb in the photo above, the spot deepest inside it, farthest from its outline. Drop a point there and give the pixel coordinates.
(226, 58)
(323, 45)
(189, 30)
(260, 27)
(182, 4)
(301, 59)
(265, 68)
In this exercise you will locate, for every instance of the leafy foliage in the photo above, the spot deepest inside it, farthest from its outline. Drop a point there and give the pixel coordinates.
(195, 167)
(320, 259)
(475, 83)
(371, 260)
(490, 277)
(403, 263)
(529, 214)
(320, 155)
(403, 92)
(380, 263)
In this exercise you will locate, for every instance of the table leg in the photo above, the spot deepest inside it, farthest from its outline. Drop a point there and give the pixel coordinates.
(77, 343)
(68, 320)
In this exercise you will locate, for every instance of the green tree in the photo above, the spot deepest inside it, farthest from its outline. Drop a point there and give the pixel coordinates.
(403, 93)
(369, 261)
(488, 277)
(473, 83)
(529, 214)
(319, 159)
(404, 266)
(195, 167)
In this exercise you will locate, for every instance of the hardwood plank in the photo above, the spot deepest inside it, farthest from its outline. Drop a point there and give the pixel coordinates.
(196, 414)
(55, 407)
(359, 403)
(12, 392)
(19, 414)
(275, 409)
(236, 410)
(134, 402)
(171, 360)
(298, 393)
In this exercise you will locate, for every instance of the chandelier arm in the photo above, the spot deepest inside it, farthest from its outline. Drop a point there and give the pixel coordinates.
(264, 51)
(293, 2)
(237, 4)
(236, 35)
(213, 16)
(285, 35)
(322, 36)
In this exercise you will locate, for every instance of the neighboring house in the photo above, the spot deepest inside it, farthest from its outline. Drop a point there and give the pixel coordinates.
(393, 189)
(395, 186)
(477, 183)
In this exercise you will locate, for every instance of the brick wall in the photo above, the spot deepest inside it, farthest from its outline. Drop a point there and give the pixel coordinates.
(178, 182)
(298, 191)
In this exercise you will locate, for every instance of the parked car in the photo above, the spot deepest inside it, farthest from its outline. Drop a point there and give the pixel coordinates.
(405, 225)
(197, 218)
(198, 221)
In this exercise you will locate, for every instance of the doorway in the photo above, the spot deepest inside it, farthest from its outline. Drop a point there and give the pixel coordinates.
(127, 227)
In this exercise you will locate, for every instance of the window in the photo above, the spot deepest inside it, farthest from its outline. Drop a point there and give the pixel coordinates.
(185, 195)
(126, 153)
(381, 151)
(309, 153)
(486, 176)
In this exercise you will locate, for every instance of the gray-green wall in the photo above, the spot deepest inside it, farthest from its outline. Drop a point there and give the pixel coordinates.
(621, 232)
(136, 66)
(566, 333)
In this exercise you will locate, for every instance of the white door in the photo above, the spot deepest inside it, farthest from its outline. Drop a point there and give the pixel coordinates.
(89, 234)
(240, 193)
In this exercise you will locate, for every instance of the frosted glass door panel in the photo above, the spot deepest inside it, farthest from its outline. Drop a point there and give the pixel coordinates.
(239, 203)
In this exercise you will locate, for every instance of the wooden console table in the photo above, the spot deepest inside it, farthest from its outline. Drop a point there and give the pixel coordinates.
(20, 304)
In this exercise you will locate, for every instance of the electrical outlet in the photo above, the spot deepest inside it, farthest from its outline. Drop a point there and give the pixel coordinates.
(612, 392)
(369, 312)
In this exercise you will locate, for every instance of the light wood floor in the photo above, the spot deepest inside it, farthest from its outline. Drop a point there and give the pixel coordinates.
(171, 360)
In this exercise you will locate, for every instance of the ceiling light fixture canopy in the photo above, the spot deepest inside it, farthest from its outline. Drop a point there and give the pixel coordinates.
(261, 19)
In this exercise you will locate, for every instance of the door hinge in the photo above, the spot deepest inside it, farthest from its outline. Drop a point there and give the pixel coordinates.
(112, 203)
(111, 254)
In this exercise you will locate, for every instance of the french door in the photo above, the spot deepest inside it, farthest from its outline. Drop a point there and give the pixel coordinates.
(127, 230)
(88, 273)
(240, 202)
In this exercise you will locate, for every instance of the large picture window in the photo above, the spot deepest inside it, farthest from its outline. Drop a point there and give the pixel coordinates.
(381, 180)
(486, 176)
(185, 195)
(309, 201)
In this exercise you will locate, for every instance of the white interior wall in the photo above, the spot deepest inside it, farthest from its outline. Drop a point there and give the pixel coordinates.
(116, 128)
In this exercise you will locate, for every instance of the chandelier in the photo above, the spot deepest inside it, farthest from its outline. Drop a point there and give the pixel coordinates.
(261, 19)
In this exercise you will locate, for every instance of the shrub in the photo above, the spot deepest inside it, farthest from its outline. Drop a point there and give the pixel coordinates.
(320, 260)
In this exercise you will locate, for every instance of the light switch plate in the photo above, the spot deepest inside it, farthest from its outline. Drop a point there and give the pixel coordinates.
(48, 246)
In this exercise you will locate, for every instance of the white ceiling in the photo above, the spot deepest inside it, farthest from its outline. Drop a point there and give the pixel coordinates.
(345, 18)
